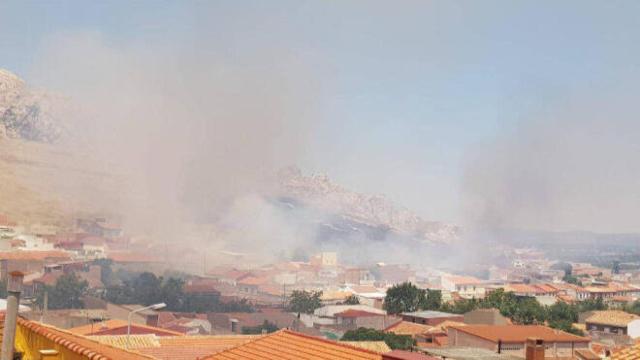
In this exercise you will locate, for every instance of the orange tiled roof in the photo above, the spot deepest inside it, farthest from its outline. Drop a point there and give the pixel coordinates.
(529, 288)
(114, 326)
(380, 347)
(175, 347)
(34, 255)
(286, 344)
(443, 326)
(194, 347)
(408, 328)
(462, 280)
(78, 344)
(518, 333)
(630, 353)
(611, 317)
(587, 354)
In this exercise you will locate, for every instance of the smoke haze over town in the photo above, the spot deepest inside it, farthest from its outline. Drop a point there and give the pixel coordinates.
(432, 180)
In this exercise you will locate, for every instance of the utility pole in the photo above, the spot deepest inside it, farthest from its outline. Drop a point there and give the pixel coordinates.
(45, 307)
(14, 288)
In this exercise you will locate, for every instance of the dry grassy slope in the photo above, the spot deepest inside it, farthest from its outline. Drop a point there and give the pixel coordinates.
(42, 183)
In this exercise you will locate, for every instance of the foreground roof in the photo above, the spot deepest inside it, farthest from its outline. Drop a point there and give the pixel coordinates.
(41, 335)
(518, 333)
(611, 317)
(176, 347)
(630, 353)
(286, 344)
(119, 327)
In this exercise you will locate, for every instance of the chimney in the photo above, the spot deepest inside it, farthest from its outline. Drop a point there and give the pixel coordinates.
(14, 288)
(534, 349)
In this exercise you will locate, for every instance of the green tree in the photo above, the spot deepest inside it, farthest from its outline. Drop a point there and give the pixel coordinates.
(591, 305)
(633, 308)
(528, 311)
(352, 300)
(562, 312)
(572, 280)
(433, 300)
(302, 301)
(3, 290)
(564, 266)
(67, 293)
(120, 294)
(615, 268)
(404, 297)
(172, 294)
(401, 342)
(266, 327)
(106, 273)
(147, 289)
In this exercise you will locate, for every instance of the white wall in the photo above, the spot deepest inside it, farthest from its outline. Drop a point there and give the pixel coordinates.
(633, 329)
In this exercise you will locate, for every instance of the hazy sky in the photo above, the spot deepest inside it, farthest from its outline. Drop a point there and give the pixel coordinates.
(413, 95)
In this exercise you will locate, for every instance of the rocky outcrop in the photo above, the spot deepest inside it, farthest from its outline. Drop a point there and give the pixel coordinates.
(25, 113)
(374, 210)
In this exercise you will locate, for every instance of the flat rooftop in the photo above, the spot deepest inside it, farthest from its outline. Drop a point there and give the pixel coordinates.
(468, 353)
(429, 314)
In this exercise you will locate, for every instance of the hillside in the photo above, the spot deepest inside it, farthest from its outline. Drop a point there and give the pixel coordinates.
(45, 180)
(373, 211)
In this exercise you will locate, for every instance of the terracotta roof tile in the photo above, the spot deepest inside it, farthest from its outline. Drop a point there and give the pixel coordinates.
(380, 347)
(518, 333)
(408, 328)
(78, 344)
(285, 344)
(34, 255)
(611, 317)
(407, 355)
(630, 353)
(119, 327)
(175, 348)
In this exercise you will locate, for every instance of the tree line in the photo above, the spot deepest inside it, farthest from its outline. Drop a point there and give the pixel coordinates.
(135, 288)
(406, 297)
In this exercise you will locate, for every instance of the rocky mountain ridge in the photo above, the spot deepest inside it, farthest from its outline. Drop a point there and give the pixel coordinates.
(373, 210)
(26, 113)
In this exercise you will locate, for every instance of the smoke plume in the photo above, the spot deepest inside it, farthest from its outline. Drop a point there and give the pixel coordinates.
(575, 167)
(186, 134)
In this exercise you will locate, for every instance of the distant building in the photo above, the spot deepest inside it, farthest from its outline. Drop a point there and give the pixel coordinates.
(29, 261)
(614, 322)
(146, 317)
(327, 259)
(485, 317)
(430, 317)
(466, 286)
(358, 276)
(353, 319)
(511, 339)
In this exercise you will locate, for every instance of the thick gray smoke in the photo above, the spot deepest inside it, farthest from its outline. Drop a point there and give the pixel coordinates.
(187, 134)
(575, 168)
